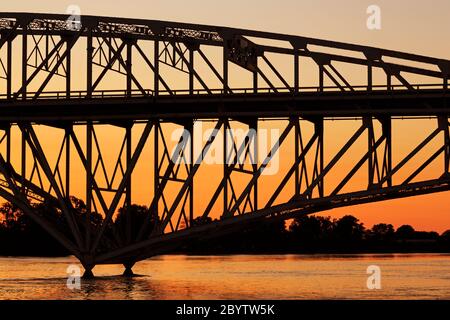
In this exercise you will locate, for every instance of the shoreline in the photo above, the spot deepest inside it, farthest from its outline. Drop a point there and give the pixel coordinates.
(268, 253)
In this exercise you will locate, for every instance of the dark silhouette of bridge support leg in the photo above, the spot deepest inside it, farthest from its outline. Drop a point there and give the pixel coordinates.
(128, 272)
(88, 274)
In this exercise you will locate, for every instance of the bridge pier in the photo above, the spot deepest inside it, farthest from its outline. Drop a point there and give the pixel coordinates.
(128, 272)
(88, 274)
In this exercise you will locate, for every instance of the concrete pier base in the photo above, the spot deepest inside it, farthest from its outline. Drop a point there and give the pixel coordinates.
(88, 274)
(128, 272)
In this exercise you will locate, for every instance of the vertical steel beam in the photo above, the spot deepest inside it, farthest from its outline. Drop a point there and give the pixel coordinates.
(156, 191)
(156, 71)
(67, 188)
(319, 127)
(128, 200)
(190, 177)
(321, 80)
(121, 188)
(46, 48)
(443, 123)
(129, 67)
(68, 69)
(8, 144)
(406, 159)
(296, 72)
(24, 61)
(319, 180)
(254, 129)
(370, 150)
(447, 150)
(387, 132)
(260, 170)
(9, 69)
(128, 156)
(191, 168)
(226, 168)
(89, 177)
(23, 154)
(255, 81)
(225, 67)
(89, 63)
(191, 70)
(70, 43)
(297, 134)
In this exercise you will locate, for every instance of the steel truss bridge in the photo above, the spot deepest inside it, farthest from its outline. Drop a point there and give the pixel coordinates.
(146, 78)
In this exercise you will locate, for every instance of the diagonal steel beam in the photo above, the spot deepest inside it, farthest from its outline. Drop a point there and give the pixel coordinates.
(424, 165)
(109, 65)
(340, 76)
(191, 175)
(277, 73)
(260, 170)
(124, 65)
(39, 68)
(227, 170)
(191, 67)
(37, 150)
(93, 182)
(66, 53)
(9, 36)
(152, 67)
(259, 71)
(357, 166)
(160, 186)
(19, 200)
(214, 70)
(328, 73)
(336, 158)
(300, 158)
(410, 155)
(130, 168)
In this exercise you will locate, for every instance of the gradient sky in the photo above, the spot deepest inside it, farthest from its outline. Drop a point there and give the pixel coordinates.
(410, 26)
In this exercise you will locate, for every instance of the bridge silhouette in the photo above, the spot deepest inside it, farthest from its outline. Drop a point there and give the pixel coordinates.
(54, 72)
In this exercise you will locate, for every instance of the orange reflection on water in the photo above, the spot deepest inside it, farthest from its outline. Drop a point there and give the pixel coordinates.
(413, 276)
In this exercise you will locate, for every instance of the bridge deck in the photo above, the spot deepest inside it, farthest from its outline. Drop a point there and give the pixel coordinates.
(426, 100)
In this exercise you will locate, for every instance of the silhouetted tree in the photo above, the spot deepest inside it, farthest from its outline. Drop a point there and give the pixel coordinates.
(445, 236)
(265, 235)
(348, 230)
(20, 235)
(311, 231)
(134, 218)
(405, 232)
(9, 216)
(80, 208)
(382, 232)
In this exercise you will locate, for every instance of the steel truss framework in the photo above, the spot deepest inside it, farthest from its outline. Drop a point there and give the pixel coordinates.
(112, 45)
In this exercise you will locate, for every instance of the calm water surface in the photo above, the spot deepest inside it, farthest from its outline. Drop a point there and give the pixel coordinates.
(404, 276)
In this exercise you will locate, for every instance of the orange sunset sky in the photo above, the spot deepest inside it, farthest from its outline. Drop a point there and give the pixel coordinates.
(410, 26)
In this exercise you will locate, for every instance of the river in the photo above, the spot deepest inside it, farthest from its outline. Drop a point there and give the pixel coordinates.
(402, 276)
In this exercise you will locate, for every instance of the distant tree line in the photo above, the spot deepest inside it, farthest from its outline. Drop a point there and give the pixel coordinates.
(318, 234)
(21, 236)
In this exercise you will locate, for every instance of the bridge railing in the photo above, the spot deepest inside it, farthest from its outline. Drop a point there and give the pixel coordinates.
(103, 94)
